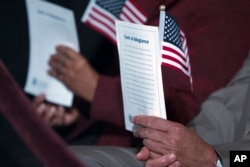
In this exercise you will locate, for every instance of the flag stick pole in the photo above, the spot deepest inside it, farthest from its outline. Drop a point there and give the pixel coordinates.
(162, 21)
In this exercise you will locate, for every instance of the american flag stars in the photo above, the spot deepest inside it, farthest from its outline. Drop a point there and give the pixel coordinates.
(172, 32)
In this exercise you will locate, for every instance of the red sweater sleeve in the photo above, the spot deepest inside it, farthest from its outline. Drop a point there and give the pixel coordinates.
(107, 104)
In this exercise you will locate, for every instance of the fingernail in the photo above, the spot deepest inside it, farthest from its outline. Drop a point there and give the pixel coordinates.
(41, 107)
(172, 157)
(52, 110)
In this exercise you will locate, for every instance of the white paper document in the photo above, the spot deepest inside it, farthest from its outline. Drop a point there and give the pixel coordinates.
(141, 77)
(49, 25)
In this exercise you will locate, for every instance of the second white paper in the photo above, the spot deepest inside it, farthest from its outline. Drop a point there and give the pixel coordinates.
(49, 25)
(141, 77)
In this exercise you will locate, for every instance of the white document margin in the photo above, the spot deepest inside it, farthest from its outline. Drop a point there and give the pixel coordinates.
(140, 68)
(49, 25)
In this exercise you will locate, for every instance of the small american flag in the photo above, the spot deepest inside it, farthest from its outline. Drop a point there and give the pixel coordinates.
(101, 15)
(174, 47)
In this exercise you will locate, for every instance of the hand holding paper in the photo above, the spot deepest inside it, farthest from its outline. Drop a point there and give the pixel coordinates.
(49, 25)
(139, 54)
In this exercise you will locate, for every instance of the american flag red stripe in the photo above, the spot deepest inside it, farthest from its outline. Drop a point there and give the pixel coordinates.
(176, 58)
(132, 13)
(185, 51)
(103, 21)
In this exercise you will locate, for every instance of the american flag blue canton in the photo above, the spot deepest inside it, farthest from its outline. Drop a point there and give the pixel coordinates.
(172, 33)
(101, 15)
(113, 6)
(174, 47)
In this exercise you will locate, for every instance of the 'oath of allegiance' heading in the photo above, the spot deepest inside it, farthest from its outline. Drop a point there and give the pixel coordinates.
(139, 40)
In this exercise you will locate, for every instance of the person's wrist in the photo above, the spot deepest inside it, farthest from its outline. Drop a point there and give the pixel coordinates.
(211, 156)
(93, 87)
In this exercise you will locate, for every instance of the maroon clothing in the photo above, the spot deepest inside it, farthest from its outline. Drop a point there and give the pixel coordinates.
(48, 147)
(218, 42)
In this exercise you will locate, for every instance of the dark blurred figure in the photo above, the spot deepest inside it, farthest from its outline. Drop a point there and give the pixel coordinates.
(14, 52)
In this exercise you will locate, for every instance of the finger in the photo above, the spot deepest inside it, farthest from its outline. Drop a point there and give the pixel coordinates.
(59, 58)
(157, 148)
(41, 109)
(57, 70)
(71, 116)
(153, 122)
(148, 133)
(154, 155)
(58, 117)
(143, 154)
(38, 100)
(57, 73)
(57, 61)
(163, 161)
(64, 61)
(67, 51)
(175, 164)
(48, 116)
